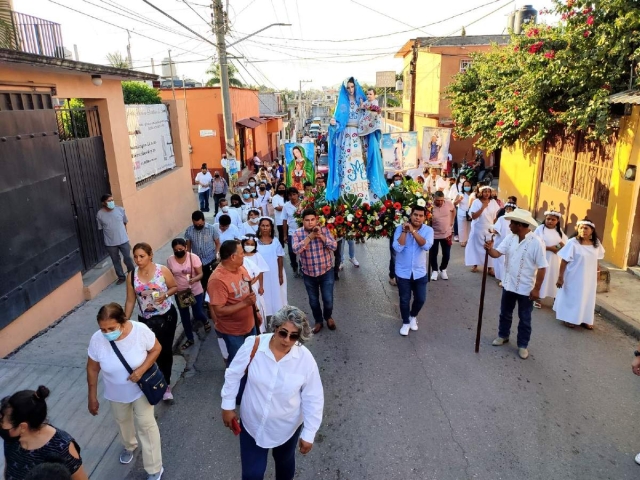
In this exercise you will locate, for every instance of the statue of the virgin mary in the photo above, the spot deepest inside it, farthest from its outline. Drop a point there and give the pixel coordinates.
(355, 160)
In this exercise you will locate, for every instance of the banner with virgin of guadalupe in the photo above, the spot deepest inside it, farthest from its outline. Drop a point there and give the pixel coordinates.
(435, 146)
(300, 164)
(400, 151)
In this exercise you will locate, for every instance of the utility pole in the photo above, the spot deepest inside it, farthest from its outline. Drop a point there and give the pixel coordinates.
(219, 30)
(300, 104)
(129, 49)
(172, 73)
(153, 67)
(413, 66)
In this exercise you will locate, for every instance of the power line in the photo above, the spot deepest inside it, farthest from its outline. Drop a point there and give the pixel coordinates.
(194, 11)
(368, 7)
(178, 22)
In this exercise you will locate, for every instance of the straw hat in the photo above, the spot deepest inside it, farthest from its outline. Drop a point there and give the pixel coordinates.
(523, 216)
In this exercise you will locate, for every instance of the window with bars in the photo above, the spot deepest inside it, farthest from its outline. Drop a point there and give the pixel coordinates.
(464, 64)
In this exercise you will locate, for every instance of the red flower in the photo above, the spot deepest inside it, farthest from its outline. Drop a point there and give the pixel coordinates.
(535, 48)
(516, 93)
(570, 3)
(552, 111)
(516, 123)
(586, 33)
(339, 219)
(366, 206)
(515, 108)
(499, 123)
(590, 20)
(587, 10)
(388, 203)
(397, 205)
(606, 86)
(330, 226)
(326, 209)
(563, 16)
(516, 49)
(550, 54)
(383, 209)
(358, 213)
(499, 134)
(384, 233)
(533, 32)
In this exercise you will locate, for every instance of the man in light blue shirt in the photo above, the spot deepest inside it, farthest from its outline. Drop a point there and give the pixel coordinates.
(411, 242)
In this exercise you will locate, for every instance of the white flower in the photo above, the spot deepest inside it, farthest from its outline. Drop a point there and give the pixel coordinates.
(421, 202)
(350, 217)
(379, 227)
(408, 210)
(331, 220)
(419, 195)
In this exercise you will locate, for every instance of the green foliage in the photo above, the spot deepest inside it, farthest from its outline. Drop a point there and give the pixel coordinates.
(139, 93)
(7, 39)
(214, 70)
(550, 76)
(117, 60)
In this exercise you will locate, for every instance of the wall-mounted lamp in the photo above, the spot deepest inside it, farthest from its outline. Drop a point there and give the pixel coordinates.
(96, 80)
(630, 173)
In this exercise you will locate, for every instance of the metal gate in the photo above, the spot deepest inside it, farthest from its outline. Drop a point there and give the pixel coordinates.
(575, 177)
(86, 167)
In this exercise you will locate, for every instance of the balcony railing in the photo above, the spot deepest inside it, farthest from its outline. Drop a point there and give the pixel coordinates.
(34, 35)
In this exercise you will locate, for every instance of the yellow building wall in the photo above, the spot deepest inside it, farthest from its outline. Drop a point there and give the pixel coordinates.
(623, 194)
(519, 167)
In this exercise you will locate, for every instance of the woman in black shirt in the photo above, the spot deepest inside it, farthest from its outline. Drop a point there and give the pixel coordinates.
(29, 441)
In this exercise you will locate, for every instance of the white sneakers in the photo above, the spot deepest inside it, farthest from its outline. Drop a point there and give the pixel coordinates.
(443, 275)
(355, 262)
(638, 459)
(434, 276)
(167, 394)
(412, 325)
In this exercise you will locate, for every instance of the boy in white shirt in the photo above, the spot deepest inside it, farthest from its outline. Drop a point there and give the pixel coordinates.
(204, 179)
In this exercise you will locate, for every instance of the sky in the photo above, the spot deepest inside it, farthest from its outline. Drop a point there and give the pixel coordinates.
(328, 40)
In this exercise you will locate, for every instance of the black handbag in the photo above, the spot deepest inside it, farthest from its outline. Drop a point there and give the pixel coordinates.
(152, 383)
(186, 298)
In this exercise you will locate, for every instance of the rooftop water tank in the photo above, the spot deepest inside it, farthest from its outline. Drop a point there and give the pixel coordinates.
(526, 14)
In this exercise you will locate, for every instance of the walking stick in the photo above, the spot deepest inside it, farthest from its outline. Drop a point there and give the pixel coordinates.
(484, 284)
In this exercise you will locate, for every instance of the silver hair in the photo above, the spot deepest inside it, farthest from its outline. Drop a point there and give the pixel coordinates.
(296, 316)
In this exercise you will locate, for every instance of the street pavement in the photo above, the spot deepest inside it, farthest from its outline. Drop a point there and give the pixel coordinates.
(427, 406)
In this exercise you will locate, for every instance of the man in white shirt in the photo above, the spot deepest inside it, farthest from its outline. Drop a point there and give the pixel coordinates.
(434, 182)
(525, 265)
(236, 219)
(223, 231)
(277, 202)
(290, 225)
(204, 179)
(264, 196)
(257, 162)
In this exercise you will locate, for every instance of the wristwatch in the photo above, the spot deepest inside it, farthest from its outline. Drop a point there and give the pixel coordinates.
(636, 353)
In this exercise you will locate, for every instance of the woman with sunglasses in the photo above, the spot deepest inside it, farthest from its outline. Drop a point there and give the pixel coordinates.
(283, 399)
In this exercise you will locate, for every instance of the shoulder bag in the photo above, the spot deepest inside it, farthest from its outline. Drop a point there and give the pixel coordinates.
(186, 298)
(152, 383)
(243, 381)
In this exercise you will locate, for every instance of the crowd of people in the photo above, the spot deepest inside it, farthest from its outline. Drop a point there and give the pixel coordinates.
(229, 276)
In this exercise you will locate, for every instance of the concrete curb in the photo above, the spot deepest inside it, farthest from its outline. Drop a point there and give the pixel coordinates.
(619, 319)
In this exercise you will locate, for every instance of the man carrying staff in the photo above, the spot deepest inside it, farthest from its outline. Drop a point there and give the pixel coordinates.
(525, 265)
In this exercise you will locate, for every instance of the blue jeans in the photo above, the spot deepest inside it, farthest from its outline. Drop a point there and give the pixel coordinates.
(352, 249)
(525, 307)
(316, 286)
(392, 259)
(254, 458)
(234, 342)
(204, 200)
(293, 259)
(407, 286)
(198, 315)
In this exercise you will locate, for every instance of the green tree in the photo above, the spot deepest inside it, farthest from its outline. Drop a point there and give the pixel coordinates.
(117, 60)
(214, 70)
(6, 26)
(550, 76)
(140, 93)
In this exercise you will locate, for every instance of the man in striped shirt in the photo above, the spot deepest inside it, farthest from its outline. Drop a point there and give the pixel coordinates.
(200, 241)
(314, 246)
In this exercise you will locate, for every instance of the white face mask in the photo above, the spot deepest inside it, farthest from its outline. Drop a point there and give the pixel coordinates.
(249, 248)
(225, 209)
(253, 220)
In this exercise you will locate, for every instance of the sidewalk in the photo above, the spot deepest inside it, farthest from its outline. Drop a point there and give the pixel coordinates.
(57, 359)
(619, 305)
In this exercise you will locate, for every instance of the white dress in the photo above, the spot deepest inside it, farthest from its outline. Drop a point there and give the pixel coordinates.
(550, 237)
(249, 229)
(503, 231)
(275, 295)
(464, 226)
(576, 300)
(474, 252)
(256, 265)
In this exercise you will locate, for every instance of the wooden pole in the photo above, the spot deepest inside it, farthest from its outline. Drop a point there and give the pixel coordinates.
(482, 291)
(413, 68)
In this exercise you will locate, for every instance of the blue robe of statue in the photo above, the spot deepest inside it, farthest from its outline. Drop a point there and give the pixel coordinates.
(348, 174)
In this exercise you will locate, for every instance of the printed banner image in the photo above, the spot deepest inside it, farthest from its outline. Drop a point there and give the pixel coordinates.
(435, 146)
(399, 151)
(300, 164)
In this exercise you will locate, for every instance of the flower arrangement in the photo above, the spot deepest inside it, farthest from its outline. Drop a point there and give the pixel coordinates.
(353, 219)
(373, 108)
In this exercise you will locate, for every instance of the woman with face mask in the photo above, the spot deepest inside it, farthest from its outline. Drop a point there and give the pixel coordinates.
(140, 348)
(277, 202)
(248, 201)
(255, 266)
(187, 271)
(29, 441)
(462, 203)
(250, 227)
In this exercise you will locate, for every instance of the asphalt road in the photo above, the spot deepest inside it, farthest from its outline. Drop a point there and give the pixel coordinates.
(427, 406)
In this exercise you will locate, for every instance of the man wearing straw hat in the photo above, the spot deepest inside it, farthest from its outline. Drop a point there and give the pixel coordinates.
(525, 265)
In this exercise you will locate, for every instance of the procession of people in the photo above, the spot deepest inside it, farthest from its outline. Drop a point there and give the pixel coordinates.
(229, 276)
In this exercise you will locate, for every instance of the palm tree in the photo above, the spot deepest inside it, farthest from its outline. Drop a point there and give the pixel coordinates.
(7, 38)
(117, 60)
(214, 70)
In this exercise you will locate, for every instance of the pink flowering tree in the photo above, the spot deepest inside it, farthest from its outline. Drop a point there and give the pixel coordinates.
(558, 74)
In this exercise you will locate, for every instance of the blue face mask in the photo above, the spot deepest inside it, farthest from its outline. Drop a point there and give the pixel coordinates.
(467, 189)
(112, 336)
(111, 204)
(245, 195)
(397, 183)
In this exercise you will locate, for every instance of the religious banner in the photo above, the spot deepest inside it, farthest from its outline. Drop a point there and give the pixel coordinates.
(400, 151)
(435, 146)
(300, 165)
(149, 140)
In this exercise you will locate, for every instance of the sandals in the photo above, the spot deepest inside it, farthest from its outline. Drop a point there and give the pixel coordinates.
(537, 305)
(186, 344)
(491, 272)
(207, 327)
(474, 269)
(587, 326)
(568, 325)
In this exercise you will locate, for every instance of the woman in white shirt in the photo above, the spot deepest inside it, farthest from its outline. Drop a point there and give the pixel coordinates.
(140, 348)
(554, 239)
(277, 202)
(483, 211)
(255, 265)
(250, 227)
(283, 399)
(462, 202)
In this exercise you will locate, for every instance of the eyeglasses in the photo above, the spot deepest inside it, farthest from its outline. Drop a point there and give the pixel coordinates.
(284, 334)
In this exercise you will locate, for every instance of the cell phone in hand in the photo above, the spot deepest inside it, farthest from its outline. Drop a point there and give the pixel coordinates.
(235, 427)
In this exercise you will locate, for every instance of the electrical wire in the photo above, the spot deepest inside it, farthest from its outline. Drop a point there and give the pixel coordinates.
(369, 7)
(195, 11)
